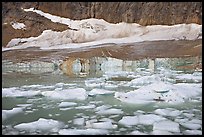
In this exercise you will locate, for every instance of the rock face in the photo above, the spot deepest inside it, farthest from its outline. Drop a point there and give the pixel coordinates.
(143, 13)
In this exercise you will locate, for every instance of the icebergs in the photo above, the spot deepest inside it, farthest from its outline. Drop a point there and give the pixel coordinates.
(110, 111)
(79, 121)
(100, 92)
(101, 125)
(168, 112)
(147, 119)
(129, 120)
(136, 132)
(41, 124)
(192, 132)
(16, 92)
(86, 107)
(9, 113)
(192, 126)
(165, 92)
(67, 104)
(88, 131)
(67, 94)
(166, 125)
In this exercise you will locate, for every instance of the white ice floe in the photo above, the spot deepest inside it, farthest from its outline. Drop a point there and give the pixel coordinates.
(101, 125)
(94, 83)
(90, 32)
(103, 107)
(41, 125)
(24, 105)
(193, 77)
(17, 25)
(88, 131)
(129, 120)
(16, 92)
(190, 125)
(79, 121)
(161, 132)
(136, 132)
(67, 104)
(67, 94)
(144, 80)
(168, 112)
(149, 119)
(86, 107)
(9, 113)
(192, 132)
(166, 125)
(110, 111)
(100, 92)
(165, 92)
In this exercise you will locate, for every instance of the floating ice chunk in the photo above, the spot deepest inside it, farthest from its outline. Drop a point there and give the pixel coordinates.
(136, 132)
(161, 132)
(196, 121)
(166, 125)
(9, 113)
(24, 105)
(106, 119)
(77, 93)
(103, 125)
(15, 92)
(93, 83)
(32, 86)
(181, 120)
(192, 132)
(168, 112)
(149, 119)
(188, 115)
(86, 107)
(110, 111)
(88, 131)
(67, 104)
(103, 107)
(129, 120)
(110, 86)
(191, 125)
(100, 92)
(135, 97)
(79, 121)
(144, 80)
(166, 92)
(41, 124)
(189, 77)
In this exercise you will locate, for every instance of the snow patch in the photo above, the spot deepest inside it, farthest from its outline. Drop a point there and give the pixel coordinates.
(17, 25)
(90, 32)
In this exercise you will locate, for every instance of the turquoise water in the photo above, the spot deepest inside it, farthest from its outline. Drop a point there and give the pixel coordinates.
(44, 107)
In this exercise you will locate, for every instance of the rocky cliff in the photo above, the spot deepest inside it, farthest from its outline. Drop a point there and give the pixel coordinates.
(143, 13)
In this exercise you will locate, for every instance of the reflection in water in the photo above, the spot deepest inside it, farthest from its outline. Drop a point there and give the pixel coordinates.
(96, 66)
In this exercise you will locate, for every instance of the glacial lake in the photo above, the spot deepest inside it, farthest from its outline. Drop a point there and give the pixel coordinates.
(35, 98)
